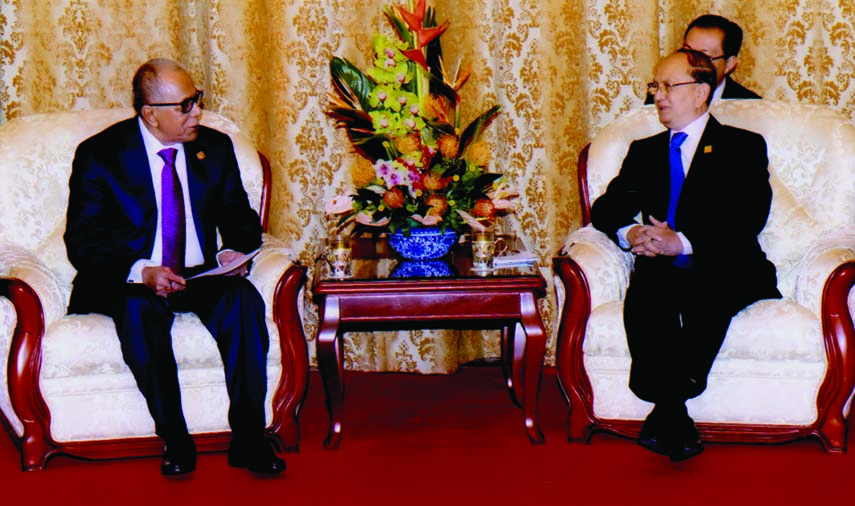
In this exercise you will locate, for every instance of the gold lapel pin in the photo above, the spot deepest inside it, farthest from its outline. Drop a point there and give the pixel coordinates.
(201, 155)
(707, 149)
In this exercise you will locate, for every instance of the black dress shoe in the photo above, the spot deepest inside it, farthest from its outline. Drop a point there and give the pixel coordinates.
(685, 451)
(649, 437)
(653, 444)
(255, 455)
(178, 458)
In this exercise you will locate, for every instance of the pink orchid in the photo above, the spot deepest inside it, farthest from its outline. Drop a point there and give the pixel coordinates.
(471, 221)
(503, 190)
(364, 218)
(341, 204)
(503, 204)
(428, 221)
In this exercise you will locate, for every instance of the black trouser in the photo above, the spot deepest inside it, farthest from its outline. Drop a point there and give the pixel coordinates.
(676, 321)
(233, 312)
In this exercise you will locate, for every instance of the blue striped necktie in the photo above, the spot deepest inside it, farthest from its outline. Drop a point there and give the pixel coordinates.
(675, 160)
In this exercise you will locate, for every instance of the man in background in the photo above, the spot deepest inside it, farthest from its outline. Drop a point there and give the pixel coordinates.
(720, 39)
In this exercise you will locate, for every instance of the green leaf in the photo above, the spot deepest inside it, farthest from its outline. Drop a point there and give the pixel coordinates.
(439, 87)
(483, 183)
(368, 195)
(399, 26)
(474, 130)
(433, 50)
(346, 76)
(441, 127)
(372, 147)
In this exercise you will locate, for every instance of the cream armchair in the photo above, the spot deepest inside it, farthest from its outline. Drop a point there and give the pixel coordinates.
(787, 367)
(65, 387)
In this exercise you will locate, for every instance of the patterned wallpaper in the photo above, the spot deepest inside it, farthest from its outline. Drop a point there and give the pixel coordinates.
(559, 69)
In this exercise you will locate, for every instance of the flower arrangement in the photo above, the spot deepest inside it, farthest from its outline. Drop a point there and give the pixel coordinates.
(402, 116)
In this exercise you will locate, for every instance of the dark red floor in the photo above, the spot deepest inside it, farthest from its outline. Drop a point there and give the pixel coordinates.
(411, 439)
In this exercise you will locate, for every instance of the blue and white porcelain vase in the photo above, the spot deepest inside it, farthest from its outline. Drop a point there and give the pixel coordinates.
(423, 243)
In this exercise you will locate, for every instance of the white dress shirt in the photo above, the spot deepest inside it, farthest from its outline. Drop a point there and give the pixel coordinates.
(693, 132)
(193, 248)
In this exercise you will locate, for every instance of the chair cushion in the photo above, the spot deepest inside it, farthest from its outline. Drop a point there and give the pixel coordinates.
(768, 330)
(82, 365)
(82, 345)
(768, 371)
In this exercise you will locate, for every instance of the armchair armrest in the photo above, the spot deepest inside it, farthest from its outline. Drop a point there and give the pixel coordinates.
(603, 263)
(280, 280)
(52, 294)
(268, 266)
(823, 258)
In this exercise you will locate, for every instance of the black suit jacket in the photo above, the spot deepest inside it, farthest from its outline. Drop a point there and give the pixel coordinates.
(732, 90)
(112, 212)
(723, 206)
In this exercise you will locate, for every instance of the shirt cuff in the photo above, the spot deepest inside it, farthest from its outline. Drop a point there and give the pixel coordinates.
(135, 276)
(687, 246)
(623, 242)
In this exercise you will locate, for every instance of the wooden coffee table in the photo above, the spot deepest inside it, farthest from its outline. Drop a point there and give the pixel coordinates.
(464, 300)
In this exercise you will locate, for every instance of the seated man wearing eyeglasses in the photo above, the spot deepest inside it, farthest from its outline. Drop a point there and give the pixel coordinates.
(702, 191)
(147, 198)
(720, 39)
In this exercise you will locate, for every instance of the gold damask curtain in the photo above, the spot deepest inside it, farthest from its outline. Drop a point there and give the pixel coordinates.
(559, 69)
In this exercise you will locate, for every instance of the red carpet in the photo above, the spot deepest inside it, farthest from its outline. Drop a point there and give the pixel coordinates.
(412, 439)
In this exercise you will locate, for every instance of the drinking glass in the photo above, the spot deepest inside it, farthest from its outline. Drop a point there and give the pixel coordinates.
(339, 255)
(484, 246)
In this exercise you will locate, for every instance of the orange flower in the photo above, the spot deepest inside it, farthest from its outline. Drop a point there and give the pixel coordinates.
(434, 182)
(484, 208)
(448, 146)
(437, 204)
(479, 153)
(362, 172)
(407, 144)
(394, 198)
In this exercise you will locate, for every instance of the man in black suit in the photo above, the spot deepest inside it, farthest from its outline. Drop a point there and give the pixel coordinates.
(720, 39)
(134, 244)
(698, 260)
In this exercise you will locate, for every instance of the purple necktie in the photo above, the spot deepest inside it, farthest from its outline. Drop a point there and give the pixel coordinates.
(172, 209)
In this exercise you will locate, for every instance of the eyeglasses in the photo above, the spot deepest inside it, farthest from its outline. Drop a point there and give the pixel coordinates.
(653, 87)
(711, 57)
(186, 104)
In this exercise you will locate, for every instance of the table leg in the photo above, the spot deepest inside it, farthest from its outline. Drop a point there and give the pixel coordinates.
(331, 368)
(512, 355)
(535, 348)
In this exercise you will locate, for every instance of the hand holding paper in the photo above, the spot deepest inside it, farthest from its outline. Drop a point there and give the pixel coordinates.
(237, 261)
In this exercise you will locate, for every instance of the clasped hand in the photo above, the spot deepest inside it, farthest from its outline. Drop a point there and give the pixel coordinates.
(654, 240)
(162, 280)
